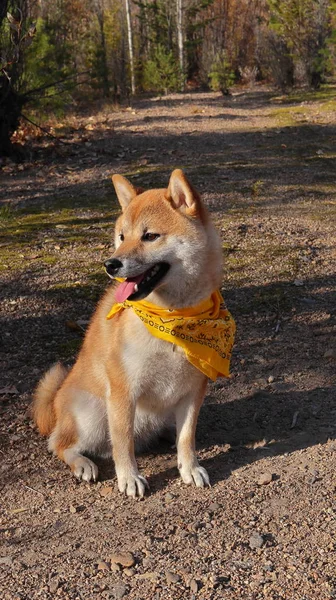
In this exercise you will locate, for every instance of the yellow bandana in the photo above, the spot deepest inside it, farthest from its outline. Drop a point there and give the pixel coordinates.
(205, 332)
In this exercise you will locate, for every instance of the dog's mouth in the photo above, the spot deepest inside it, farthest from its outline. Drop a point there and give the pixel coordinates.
(137, 288)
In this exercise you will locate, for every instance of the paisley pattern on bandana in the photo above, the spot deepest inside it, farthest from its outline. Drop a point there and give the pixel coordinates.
(205, 332)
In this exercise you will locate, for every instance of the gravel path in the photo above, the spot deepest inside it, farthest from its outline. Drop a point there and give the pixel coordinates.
(266, 528)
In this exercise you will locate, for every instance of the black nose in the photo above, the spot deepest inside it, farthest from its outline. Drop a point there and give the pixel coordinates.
(112, 265)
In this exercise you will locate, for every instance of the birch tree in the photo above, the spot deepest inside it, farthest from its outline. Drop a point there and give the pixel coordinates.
(179, 23)
(130, 44)
(100, 13)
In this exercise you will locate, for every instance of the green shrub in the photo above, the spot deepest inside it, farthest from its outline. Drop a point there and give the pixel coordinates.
(48, 71)
(221, 75)
(161, 73)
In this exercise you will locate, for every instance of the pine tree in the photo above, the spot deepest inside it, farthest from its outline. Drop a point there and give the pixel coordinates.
(304, 25)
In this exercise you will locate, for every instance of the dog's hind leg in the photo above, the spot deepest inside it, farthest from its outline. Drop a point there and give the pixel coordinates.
(81, 466)
(65, 443)
(81, 429)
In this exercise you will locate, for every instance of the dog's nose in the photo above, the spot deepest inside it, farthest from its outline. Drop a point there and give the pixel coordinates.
(112, 265)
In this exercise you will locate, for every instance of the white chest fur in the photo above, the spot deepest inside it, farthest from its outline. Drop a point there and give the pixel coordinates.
(158, 372)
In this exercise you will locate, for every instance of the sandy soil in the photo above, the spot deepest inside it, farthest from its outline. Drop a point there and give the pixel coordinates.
(266, 527)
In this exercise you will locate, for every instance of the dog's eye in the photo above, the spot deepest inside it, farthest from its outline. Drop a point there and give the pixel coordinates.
(121, 237)
(150, 237)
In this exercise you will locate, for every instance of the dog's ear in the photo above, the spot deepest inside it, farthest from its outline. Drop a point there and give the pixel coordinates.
(125, 190)
(183, 196)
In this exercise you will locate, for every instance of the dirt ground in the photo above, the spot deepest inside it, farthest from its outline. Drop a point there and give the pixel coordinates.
(266, 167)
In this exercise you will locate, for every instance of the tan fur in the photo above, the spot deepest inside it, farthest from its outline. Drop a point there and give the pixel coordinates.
(67, 436)
(127, 385)
(43, 408)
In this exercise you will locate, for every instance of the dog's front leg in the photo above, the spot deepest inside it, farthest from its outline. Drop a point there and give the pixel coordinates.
(121, 424)
(186, 413)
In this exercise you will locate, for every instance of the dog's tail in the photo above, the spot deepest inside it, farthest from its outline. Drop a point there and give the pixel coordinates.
(43, 410)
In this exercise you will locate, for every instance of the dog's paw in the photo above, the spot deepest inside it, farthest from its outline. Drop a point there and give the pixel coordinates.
(133, 485)
(83, 468)
(194, 474)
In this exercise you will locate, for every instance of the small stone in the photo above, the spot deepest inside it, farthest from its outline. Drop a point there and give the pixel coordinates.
(268, 566)
(256, 540)
(193, 586)
(115, 567)
(214, 506)
(172, 577)
(214, 581)
(103, 566)
(125, 559)
(73, 509)
(298, 282)
(6, 560)
(169, 498)
(315, 476)
(54, 585)
(119, 591)
(146, 562)
(270, 379)
(106, 491)
(150, 575)
(129, 572)
(330, 354)
(195, 526)
(265, 478)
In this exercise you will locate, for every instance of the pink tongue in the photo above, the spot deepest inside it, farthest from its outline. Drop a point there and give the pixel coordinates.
(126, 288)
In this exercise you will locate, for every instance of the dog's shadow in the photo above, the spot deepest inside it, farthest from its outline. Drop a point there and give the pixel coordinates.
(265, 424)
(237, 433)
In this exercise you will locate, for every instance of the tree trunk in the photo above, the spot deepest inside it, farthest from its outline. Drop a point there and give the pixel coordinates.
(179, 22)
(130, 44)
(10, 109)
(102, 63)
(104, 70)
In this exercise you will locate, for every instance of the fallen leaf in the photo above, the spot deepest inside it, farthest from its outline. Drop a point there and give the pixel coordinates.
(16, 511)
(74, 326)
(106, 491)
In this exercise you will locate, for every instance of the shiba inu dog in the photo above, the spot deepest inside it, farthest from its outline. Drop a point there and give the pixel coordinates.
(138, 371)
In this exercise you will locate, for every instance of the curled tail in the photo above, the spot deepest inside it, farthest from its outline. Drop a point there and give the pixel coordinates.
(43, 406)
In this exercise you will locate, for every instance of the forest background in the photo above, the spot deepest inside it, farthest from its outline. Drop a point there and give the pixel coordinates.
(60, 53)
(93, 76)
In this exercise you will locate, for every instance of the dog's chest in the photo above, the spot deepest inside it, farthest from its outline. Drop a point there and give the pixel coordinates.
(157, 371)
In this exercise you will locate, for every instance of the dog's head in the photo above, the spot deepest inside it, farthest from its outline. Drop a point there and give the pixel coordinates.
(166, 248)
